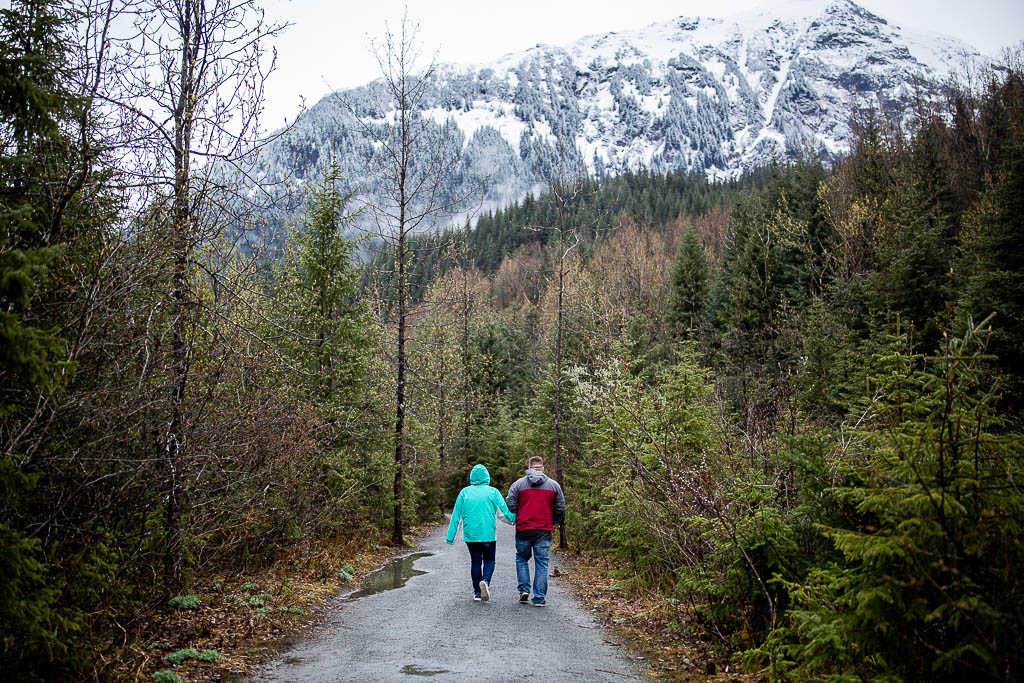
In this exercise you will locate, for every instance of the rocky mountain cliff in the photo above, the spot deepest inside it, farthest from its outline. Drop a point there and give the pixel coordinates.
(708, 95)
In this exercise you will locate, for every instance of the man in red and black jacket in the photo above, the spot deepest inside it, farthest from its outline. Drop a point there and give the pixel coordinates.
(539, 504)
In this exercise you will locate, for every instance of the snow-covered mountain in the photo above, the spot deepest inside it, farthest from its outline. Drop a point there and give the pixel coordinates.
(702, 94)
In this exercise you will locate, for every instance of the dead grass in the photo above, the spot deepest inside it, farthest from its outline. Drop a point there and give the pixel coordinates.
(667, 635)
(247, 618)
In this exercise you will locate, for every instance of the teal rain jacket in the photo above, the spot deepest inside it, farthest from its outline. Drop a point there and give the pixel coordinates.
(475, 508)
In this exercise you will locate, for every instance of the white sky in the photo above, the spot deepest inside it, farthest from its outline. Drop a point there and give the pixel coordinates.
(328, 45)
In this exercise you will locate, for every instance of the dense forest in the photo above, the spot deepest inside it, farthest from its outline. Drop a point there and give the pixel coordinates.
(594, 210)
(789, 404)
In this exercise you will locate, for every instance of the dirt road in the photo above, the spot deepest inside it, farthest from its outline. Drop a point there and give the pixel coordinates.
(431, 627)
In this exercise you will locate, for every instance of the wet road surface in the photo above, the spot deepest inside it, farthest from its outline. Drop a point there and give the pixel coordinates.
(430, 627)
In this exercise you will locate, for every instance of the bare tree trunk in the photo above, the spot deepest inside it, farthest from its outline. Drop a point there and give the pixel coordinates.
(562, 540)
(565, 193)
(157, 82)
(397, 533)
(415, 169)
(465, 348)
(177, 440)
(442, 419)
(403, 203)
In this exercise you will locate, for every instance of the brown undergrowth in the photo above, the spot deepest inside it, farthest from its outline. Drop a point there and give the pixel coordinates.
(665, 632)
(243, 619)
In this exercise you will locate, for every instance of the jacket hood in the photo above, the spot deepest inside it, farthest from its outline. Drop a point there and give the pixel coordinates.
(535, 477)
(479, 475)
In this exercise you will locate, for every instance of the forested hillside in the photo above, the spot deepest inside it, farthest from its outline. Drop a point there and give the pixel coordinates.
(788, 406)
(594, 208)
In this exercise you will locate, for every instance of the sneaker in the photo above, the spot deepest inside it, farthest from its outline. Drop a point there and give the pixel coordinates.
(477, 598)
(484, 593)
(540, 604)
(524, 598)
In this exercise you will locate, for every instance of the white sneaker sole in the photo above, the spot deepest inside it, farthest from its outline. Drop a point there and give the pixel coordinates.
(484, 593)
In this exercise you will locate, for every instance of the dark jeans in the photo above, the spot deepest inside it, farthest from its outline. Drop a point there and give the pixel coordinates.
(481, 563)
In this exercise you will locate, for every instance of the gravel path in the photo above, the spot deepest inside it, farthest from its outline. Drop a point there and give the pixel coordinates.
(431, 627)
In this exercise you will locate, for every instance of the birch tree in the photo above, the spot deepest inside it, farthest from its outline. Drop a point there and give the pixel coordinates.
(186, 83)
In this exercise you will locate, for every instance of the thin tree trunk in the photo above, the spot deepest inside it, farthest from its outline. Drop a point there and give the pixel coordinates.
(562, 540)
(465, 354)
(441, 435)
(397, 534)
(416, 191)
(181, 215)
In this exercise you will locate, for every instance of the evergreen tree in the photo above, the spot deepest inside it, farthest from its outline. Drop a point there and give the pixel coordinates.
(916, 254)
(637, 483)
(330, 323)
(688, 295)
(35, 105)
(994, 258)
(34, 102)
(930, 586)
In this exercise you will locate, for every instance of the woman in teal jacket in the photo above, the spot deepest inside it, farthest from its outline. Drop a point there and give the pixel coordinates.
(475, 508)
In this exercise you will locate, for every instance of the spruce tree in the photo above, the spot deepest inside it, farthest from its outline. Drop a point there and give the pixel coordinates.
(34, 102)
(994, 258)
(688, 295)
(928, 587)
(916, 254)
(330, 325)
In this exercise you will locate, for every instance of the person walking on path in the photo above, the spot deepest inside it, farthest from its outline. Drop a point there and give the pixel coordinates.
(475, 508)
(539, 504)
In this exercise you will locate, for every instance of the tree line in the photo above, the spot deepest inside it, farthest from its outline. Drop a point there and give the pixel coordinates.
(597, 204)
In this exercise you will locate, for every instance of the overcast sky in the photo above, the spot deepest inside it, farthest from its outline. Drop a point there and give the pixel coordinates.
(328, 46)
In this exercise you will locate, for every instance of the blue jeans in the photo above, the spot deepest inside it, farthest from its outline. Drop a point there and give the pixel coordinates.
(481, 563)
(540, 548)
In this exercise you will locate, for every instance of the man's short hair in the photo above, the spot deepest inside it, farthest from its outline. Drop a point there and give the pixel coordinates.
(535, 461)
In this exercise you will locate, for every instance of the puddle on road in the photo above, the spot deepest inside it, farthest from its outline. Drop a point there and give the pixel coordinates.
(392, 575)
(414, 670)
